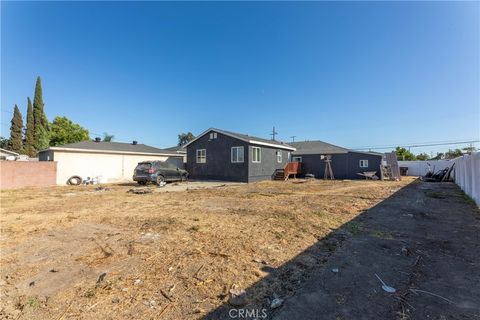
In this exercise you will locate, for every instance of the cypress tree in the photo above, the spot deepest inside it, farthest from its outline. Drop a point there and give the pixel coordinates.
(29, 147)
(15, 143)
(41, 127)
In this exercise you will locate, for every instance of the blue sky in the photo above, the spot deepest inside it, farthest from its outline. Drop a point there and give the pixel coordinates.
(353, 74)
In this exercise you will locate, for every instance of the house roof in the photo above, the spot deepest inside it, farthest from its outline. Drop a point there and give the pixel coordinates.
(317, 147)
(178, 149)
(111, 147)
(247, 138)
(321, 147)
(9, 152)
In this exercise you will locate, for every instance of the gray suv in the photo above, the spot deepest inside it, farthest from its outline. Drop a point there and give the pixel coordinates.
(158, 172)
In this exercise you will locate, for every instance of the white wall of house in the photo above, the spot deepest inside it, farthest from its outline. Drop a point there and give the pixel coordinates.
(113, 167)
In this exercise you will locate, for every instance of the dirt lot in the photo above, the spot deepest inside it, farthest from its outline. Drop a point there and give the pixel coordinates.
(77, 253)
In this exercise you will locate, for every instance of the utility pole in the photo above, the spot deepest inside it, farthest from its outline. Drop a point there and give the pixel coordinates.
(273, 133)
(293, 138)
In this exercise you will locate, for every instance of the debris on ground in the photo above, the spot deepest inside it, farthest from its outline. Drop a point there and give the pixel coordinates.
(115, 300)
(101, 188)
(100, 279)
(140, 190)
(384, 286)
(335, 270)
(238, 297)
(276, 302)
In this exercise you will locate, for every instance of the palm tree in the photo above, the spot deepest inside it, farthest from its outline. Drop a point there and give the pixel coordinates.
(107, 137)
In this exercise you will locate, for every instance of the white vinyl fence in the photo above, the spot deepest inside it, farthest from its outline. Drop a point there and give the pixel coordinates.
(467, 175)
(420, 168)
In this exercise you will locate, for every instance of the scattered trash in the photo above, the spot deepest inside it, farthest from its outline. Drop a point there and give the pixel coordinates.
(276, 302)
(335, 270)
(90, 180)
(140, 190)
(102, 188)
(53, 270)
(198, 310)
(238, 297)
(260, 261)
(101, 278)
(405, 251)
(309, 176)
(137, 281)
(384, 286)
(31, 284)
(115, 300)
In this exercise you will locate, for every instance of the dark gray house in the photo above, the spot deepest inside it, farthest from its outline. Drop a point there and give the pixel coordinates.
(222, 155)
(345, 163)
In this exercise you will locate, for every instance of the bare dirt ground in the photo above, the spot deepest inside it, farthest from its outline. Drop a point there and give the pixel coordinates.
(77, 253)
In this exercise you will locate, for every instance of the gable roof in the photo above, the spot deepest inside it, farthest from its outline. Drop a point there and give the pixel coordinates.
(111, 147)
(247, 138)
(317, 147)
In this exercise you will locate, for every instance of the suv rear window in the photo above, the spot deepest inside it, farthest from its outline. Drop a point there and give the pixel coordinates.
(144, 166)
(167, 165)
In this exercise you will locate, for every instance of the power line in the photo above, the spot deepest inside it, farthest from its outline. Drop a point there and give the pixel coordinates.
(418, 145)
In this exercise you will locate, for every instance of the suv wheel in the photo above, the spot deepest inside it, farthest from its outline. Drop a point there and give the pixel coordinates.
(160, 180)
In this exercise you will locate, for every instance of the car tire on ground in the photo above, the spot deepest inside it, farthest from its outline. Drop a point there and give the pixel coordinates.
(160, 180)
(74, 181)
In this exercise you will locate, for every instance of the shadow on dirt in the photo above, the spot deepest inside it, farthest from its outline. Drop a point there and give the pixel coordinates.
(405, 240)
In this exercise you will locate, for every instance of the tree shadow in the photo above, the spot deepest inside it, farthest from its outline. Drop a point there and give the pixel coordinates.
(286, 280)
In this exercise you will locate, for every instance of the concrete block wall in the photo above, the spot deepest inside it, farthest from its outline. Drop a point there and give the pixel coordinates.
(18, 174)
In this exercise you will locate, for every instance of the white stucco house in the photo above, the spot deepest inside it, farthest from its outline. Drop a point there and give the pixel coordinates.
(112, 161)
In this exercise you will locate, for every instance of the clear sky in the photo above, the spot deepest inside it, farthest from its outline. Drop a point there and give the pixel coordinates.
(353, 74)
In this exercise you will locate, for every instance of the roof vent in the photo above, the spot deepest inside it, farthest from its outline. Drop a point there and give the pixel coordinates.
(97, 139)
(134, 142)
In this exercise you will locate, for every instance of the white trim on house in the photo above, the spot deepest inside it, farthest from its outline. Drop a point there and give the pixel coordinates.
(201, 158)
(251, 141)
(363, 163)
(238, 158)
(259, 155)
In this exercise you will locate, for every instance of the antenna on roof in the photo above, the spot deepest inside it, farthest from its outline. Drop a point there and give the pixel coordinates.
(293, 138)
(273, 133)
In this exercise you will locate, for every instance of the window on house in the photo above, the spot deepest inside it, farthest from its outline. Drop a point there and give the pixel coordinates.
(213, 135)
(256, 154)
(363, 163)
(279, 156)
(201, 155)
(296, 159)
(237, 154)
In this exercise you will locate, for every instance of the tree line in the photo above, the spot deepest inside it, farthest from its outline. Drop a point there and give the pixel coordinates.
(39, 133)
(406, 155)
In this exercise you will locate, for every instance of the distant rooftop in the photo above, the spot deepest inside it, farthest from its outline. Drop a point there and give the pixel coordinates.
(116, 147)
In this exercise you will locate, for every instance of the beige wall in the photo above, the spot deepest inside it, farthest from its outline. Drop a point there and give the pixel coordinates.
(17, 174)
(114, 167)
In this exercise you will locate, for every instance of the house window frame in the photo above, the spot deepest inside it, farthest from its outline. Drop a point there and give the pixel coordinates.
(199, 158)
(237, 160)
(363, 163)
(213, 135)
(297, 157)
(279, 156)
(259, 155)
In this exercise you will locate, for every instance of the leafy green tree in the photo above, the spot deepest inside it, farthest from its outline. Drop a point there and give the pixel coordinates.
(3, 143)
(422, 156)
(451, 154)
(404, 154)
(108, 137)
(184, 138)
(469, 149)
(63, 131)
(41, 127)
(16, 141)
(29, 146)
(439, 156)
